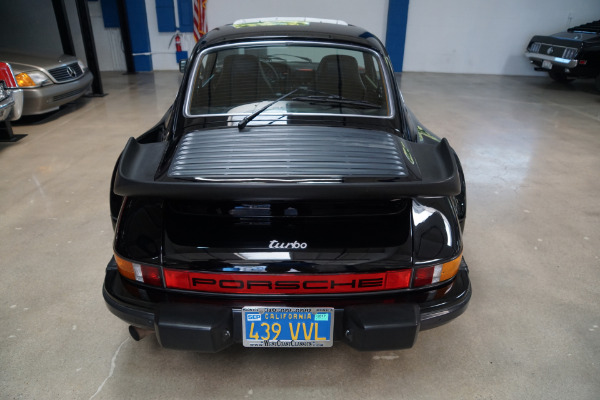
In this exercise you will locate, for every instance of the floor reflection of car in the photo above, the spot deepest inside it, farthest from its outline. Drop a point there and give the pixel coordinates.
(11, 97)
(48, 82)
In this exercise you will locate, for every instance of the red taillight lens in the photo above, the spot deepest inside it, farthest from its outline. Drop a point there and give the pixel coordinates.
(436, 273)
(427, 275)
(151, 275)
(139, 272)
(397, 279)
(240, 283)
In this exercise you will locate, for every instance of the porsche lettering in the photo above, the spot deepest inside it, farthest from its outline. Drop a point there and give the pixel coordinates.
(279, 285)
(235, 283)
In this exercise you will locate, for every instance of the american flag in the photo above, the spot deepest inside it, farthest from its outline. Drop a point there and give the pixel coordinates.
(199, 18)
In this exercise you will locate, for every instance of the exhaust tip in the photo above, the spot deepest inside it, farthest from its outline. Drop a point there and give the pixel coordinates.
(138, 333)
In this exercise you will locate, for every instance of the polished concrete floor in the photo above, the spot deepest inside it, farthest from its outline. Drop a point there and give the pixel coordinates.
(531, 153)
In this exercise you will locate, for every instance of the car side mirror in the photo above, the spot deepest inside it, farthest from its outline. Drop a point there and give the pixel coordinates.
(182, 65)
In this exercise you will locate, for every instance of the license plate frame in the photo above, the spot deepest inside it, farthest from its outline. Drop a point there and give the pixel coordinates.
(546, 64)
(298, 327)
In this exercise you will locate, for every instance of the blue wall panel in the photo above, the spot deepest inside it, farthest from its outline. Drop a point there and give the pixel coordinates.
(396, 32)
(186, 15)
(165, 15)
(140, 38)
(110, 13)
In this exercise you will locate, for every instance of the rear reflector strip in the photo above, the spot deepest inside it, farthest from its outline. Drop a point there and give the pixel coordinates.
(286, 284)
(137, 270)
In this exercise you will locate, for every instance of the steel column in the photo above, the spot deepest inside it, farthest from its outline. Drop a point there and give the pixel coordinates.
(90, 47)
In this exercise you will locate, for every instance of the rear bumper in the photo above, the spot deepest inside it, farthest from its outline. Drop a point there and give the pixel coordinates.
(555, 61)
(198, 323)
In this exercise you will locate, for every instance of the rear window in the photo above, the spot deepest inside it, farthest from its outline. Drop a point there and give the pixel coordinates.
(317, 79)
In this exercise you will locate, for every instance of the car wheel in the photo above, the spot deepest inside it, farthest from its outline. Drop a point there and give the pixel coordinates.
(559, 76)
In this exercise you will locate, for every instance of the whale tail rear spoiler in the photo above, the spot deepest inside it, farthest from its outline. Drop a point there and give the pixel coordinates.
(381, 171)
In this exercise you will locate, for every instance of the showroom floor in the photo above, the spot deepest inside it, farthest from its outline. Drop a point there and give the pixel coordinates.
(531, 153)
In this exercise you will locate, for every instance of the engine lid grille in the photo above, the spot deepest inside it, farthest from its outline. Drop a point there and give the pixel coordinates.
(287, 154)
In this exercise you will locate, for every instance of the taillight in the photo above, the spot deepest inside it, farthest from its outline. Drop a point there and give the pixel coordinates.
(289, 284)
(241, 283)
(436, 273)
(147, 274)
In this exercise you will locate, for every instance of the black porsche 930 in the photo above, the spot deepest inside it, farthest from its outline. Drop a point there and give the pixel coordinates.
(288, 198)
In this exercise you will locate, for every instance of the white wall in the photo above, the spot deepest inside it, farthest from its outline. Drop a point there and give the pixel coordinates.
(162, 43)
(459, 36)
(370, 15)
(109, 46)
(485, 36)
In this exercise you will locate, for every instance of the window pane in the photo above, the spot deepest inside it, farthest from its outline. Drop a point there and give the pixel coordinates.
(328, 80)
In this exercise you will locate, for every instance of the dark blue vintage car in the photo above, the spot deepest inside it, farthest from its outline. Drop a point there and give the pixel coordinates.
(288, 198)
(567, 55)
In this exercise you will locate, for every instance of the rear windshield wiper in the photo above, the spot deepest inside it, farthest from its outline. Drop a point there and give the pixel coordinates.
(242, 124)
(337, 100)
(323, 99)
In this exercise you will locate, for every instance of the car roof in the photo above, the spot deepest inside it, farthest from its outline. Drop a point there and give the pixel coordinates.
(285, 28)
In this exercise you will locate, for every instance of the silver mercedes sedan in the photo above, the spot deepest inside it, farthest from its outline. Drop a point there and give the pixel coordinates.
(48, 82)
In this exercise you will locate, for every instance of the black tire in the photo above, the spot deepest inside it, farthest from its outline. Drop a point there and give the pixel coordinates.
(559, 76)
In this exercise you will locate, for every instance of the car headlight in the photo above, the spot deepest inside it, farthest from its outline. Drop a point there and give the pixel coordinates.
(32, 79)
(535, 47)
(81, 65)
(3, 93)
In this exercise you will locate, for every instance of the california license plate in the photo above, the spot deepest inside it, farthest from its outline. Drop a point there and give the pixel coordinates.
(287, 327)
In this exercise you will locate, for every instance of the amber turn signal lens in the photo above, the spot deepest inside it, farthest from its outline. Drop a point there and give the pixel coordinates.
(138, 272)
(24, 80)
(436, 273)
(450, 269)
(125, 268)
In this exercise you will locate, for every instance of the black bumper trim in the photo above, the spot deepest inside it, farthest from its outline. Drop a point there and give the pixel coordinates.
(383, 324)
